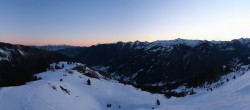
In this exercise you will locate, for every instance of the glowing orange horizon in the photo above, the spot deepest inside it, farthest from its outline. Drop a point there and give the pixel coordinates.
(39, 41)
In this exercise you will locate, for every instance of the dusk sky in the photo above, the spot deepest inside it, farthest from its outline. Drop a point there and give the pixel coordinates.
(87, 22)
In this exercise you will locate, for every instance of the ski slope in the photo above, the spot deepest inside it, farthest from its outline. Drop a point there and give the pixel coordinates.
(46, 94)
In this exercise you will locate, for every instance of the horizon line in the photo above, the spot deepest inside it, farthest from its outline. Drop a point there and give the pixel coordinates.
(66, 44)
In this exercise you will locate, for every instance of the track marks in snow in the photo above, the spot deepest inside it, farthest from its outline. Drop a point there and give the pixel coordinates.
(32, 100)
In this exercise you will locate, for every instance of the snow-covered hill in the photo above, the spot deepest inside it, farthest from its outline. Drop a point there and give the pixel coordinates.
(46, 94)
(67, 89)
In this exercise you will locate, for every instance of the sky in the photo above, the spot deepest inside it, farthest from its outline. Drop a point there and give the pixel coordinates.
(89, 22)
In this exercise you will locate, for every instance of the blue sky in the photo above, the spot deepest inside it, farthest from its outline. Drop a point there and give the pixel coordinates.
(87, 22)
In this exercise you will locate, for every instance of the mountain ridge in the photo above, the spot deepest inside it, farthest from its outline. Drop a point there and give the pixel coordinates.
(18, 63)
(167, 60)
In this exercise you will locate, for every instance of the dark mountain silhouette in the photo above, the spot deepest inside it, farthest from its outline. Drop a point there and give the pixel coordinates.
(187, 61)
(71, 52)
(18, 63)
(54, 47)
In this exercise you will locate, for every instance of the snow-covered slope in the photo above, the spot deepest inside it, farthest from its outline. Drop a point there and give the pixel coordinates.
(6, 54)
(40, 95)
(48, 94)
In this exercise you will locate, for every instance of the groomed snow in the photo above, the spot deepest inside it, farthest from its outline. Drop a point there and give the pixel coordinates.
(40, 95)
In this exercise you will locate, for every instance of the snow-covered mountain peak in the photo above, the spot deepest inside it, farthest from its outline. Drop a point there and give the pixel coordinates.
(244, 41)
(167, 43)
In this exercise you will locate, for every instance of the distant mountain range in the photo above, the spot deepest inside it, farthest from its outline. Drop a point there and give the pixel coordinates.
(54, 47)
(68, 50)
(166, 62)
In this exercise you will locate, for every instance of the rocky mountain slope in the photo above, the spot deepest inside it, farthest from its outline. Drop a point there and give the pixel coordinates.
(18, 63)
(166, 62)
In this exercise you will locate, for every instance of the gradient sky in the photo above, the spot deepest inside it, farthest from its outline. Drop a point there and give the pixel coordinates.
(87, 22)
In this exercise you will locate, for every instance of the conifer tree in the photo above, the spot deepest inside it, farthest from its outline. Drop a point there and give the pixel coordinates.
(88, 82)
(158, 102)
